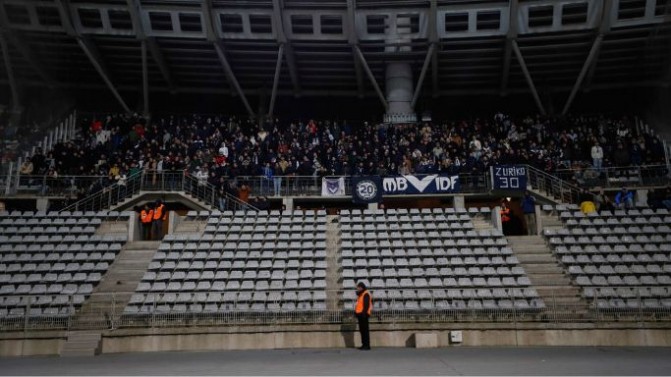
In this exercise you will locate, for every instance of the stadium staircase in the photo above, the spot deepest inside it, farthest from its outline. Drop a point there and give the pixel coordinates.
(109, 298)
(333, 278)
(547, 276)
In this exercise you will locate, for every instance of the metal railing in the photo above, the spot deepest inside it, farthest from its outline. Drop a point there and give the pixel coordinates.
(552, 185)
(155, 181)
(107, 311)
(616, 177)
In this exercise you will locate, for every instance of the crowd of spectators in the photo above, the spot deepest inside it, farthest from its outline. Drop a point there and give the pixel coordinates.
(220, 150)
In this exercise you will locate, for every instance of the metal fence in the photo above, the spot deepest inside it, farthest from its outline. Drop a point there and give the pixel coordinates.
(106, 311)
(616, 177)
(152, 181)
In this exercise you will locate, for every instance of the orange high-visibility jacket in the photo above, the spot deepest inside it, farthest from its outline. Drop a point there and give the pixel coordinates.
(146, 217)
(159, 212)
(505, 215)
(358, 309)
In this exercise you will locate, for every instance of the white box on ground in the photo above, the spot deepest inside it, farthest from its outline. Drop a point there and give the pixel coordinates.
(426, 340)
(456, 337)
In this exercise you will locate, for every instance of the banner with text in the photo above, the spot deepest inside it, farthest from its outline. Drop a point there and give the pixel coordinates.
(509, 177)
(414, 185)
(333, 186)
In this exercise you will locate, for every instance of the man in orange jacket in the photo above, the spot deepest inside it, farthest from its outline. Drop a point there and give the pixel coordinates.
(160, 214)
(146, 218)
(362, 310)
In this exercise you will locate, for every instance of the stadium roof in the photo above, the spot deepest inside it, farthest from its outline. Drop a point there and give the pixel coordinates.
(225, 46)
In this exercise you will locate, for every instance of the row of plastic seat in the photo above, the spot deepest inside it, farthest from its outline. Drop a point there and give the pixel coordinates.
(627, 292)
(44, 222)
(35, 312)
(231, 285)
(258, 307)
(414, 211)
(370, 233)
(436, 243)
(265, 230)
(240, 265)
(637, 269)
(629, 280)
(427, 252)
(633, 304)
(404, 219)
(58, 239)
(80, 288)
(223, 274)
(204, 215)
(413, 227)
(66, 277)
(447, 282)
(54, 256)
(38, 230)
(246, 221)
(635, 251)
(427, 262)
(243, 246)
(461, 305)
(650, 242)
(441, 293)
(65, 214)
(616, 259)
(440, 272)
(650, 230)
(230, 296)
(15, 268)
(634, 212)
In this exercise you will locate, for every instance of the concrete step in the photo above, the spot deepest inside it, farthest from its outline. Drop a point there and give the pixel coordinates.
(142, 245)
(536, 258)
(80, 344)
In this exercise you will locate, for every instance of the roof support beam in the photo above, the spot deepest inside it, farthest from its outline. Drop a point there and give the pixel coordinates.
(278, 27)
(508, 53)
(16, 103)
(91, 52)
(433, 39)
(422, 75)
(134, 9)
(89, 49)
(527, 76)
(604, 28)
(20, 44)
(231, 77)
(371, 77)
(588, 62)
(353, 40)
(276, 80)
(589, 66)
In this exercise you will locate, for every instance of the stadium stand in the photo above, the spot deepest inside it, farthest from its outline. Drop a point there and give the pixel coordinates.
(244, 262)
(50, 263)
(432, 260)
(620, 259)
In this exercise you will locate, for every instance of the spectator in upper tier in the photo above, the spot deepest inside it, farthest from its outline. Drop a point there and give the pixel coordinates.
(597, 156)
(624, 199)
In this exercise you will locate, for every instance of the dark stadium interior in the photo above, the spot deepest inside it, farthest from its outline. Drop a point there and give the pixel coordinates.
(288, 180)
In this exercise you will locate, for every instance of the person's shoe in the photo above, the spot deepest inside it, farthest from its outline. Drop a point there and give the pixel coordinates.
(362, 348)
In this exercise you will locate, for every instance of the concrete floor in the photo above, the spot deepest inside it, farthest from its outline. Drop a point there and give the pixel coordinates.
(383, 361)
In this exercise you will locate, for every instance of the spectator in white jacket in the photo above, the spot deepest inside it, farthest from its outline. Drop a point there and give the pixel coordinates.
(597, 156)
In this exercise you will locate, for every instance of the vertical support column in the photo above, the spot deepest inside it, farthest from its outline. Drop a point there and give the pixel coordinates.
(8, 181)
(398, 86)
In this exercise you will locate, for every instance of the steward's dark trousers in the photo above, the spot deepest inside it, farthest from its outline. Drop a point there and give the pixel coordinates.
(363, 330)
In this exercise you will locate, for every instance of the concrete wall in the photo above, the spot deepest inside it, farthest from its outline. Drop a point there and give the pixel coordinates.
(398, 338)
(30, 347)
(147, 340)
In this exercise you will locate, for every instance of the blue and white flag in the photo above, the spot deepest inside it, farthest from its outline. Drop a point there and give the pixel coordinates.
(333, 186)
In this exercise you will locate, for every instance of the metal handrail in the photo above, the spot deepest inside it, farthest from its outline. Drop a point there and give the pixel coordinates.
(552, 185)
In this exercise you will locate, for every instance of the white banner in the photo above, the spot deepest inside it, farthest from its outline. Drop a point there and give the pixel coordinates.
(333, 186)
